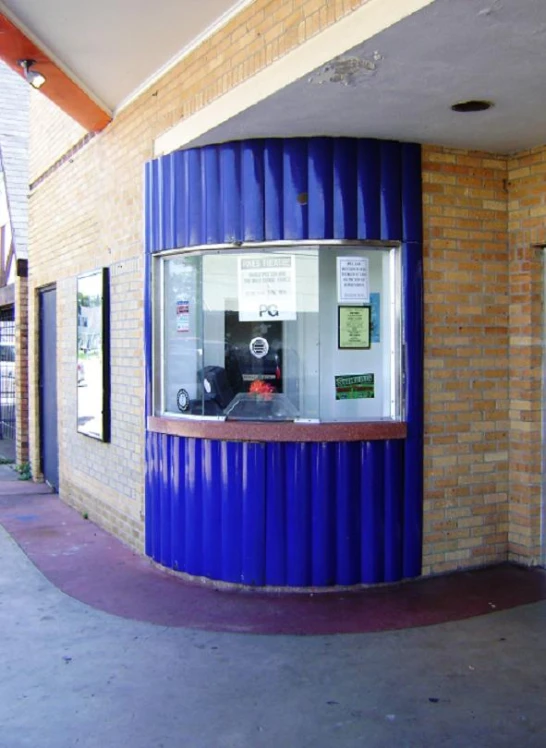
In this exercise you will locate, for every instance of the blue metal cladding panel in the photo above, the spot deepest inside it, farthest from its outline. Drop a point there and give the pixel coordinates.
(372, 512)
(252, 192)
(212, 511)
(230, 477)
(276, 514)
(320, 188)
(230, 192)
(413, 322)
(323, 511)
(290, 514)
(253, 503)
(348, 514)
(298, 515)
(275, 519)
(394, 510)
(345, 188)
(193, 505)
(149, 217)
(156, 207)
(368, 189)
(210, 183)
(181, 197)
(391, 191)
(165, 237)
(165, 509)
(273, 189)
(412, 197)
(295, 195)
(150, 496)
(178, 533)
(196, 198)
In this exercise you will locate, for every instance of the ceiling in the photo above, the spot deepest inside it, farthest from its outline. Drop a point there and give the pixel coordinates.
(112, 48)
(401, 83)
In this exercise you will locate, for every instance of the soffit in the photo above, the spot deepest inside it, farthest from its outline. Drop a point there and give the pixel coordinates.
(110, 49)
(401, 83)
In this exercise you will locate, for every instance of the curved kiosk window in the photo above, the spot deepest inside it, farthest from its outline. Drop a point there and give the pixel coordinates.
(298, 333)
(284, 346)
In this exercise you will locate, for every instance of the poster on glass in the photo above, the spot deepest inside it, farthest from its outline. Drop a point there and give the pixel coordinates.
(93, 357)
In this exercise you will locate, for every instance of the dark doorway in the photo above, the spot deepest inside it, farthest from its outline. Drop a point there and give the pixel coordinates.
(49, 447)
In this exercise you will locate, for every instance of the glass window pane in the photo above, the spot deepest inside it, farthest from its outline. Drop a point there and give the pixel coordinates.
(281, 334)
(182, 335)
(357, 365)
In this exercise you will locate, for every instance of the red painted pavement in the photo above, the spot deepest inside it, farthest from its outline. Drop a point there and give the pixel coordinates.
(92, 566)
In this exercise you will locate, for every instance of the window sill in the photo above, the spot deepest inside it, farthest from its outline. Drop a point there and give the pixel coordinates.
(287, 431)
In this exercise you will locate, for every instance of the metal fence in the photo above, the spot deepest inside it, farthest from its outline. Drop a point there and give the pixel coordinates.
(7, 373)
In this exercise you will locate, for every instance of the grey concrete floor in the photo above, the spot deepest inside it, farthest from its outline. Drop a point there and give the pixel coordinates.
(74, 676)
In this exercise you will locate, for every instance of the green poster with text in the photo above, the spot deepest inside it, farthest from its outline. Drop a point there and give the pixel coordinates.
(354, 386)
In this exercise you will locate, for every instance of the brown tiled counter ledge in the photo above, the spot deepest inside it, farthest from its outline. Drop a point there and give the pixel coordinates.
(279, 431)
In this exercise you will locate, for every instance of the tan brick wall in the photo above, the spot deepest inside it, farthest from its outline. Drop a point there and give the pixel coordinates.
(466, 359)
(96, 222)
(52, 134)
(527, 226)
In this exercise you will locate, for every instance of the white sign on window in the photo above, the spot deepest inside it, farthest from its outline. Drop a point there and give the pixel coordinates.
(267, 288)
(353, 280)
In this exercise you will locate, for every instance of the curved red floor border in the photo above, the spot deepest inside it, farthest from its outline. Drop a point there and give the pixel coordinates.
(94, 567)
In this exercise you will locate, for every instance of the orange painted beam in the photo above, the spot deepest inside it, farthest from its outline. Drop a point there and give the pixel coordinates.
(59, 87)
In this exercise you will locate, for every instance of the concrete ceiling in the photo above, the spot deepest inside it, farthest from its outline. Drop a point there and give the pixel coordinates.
(112, 48)
(401, 83)
(398, 84)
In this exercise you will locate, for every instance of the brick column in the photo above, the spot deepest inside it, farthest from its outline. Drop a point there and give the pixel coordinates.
(527, 194)
(21, 363)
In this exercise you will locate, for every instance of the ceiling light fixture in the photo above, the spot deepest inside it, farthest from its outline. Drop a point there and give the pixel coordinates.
(33, 77)
(473, 105)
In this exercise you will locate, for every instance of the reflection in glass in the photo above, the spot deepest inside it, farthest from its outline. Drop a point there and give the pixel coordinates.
(92, 355)
(255, 335)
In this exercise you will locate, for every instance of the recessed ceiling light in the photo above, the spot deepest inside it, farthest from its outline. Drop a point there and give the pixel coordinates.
(473, 105)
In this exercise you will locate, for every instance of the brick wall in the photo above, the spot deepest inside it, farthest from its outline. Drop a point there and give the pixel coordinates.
(527, 227)
(52, 133)
(466, 359)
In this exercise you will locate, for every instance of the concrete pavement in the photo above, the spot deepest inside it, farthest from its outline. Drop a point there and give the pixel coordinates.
(73, 676)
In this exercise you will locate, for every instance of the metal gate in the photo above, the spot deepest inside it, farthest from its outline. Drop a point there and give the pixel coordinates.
(7, 374)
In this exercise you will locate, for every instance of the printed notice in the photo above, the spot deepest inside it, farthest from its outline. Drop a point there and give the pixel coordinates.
(354, 325)
(267, 288)
(353, 280)
(354, 386)
(182, 316)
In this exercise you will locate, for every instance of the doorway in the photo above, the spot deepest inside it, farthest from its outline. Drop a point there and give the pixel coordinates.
(47, 383)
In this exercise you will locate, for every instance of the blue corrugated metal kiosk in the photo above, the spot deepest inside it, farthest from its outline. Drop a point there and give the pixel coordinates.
(321, 485)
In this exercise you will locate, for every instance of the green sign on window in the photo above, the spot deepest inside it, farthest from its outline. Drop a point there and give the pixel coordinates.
(354, 386)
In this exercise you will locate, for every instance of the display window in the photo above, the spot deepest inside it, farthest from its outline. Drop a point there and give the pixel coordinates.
(285, 333)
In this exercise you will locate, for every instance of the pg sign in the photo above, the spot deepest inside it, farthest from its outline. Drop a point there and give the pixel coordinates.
(266, 287)
(268, 310)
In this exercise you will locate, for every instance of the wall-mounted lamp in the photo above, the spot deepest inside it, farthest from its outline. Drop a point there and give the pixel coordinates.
(33, 77)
